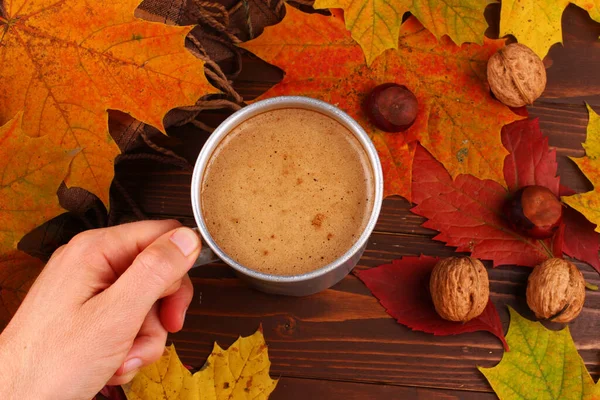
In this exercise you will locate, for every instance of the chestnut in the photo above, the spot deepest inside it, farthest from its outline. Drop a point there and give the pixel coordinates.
(391, 107)
(534, 211)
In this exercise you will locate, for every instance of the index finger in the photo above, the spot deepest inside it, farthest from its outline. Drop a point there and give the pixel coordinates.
(118, 245)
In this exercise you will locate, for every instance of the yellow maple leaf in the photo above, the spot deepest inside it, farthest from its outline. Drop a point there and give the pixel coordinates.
(31, 170)
(67, 62)
(589, 203)
(375, 24)
(240, 372)
(537, 23)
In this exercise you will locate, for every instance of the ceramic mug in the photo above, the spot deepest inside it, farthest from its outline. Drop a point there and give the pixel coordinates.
(306, 283)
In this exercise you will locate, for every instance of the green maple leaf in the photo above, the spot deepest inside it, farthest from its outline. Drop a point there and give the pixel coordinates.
(542, 364)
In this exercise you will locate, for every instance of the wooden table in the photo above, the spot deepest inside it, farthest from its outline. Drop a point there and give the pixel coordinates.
(340, 344)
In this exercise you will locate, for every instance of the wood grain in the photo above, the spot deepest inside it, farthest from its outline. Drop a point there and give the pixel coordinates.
(303, 389)
(344, 334)
(340, 343)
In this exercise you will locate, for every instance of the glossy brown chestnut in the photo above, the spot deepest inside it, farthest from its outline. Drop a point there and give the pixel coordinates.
(391, 107)
(534, 211)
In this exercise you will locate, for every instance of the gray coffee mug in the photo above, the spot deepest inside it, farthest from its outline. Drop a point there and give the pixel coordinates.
(294, 285)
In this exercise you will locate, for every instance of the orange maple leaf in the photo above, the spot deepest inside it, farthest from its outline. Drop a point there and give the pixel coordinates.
(31, 170)
(458, 121)
(66, 62)
(18, 271)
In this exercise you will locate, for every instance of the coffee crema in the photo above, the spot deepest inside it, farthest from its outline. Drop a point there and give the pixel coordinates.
(287, 192)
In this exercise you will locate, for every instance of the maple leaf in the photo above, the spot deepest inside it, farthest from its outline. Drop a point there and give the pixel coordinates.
(240, 372)
(375, 24)
(467, 212)
(18, 271)
(66, 62)
(458, 121)
(402, 288)
(581, 241)
(537, 23)
(541, 364)
(589, 203)
(532, 162)
(31, 169)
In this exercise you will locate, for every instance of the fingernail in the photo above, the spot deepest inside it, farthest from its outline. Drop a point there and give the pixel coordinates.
(186, 240)
(132, 365)
(183, 317)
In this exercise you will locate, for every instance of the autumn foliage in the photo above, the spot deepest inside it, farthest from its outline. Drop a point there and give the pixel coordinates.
(321, 60)
(65, 64)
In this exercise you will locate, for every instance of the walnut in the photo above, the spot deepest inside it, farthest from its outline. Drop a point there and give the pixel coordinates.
(556, 290)
(516, 75)
(459, 288)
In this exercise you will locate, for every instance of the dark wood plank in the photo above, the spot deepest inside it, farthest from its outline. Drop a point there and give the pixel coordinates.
(344, 334)
(303, 389)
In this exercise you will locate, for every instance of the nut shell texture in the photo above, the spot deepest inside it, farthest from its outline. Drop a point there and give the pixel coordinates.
(516, 75)
(459, 288)
(556, 285)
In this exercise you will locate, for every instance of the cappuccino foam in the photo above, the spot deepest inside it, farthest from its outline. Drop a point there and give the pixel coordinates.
(287, 192)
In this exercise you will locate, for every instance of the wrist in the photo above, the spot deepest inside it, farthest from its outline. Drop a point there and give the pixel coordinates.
(8, 380)
(15, 381)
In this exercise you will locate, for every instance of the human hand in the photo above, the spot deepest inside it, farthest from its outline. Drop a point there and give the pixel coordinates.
(93, 316)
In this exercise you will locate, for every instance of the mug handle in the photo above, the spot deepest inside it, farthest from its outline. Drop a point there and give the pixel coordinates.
(206, 256)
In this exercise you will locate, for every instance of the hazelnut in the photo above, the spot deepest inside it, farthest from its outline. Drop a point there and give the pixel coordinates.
(534, 211)
(459, 288)
(516, 75)
(556, 290)
(391, 107)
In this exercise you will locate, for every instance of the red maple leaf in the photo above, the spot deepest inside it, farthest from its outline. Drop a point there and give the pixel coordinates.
(467, 211)
(580, 238)
(402, 288)
(530, 161)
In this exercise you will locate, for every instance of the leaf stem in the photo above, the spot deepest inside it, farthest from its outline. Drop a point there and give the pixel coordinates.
(591, 286)
(550, 253)
(4, 30)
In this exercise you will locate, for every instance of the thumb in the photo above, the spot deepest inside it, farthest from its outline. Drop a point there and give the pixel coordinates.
(158, 267)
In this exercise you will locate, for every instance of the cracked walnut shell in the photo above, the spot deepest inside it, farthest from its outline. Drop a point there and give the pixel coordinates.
(556, 290)
(516, 75)
(459, 288)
